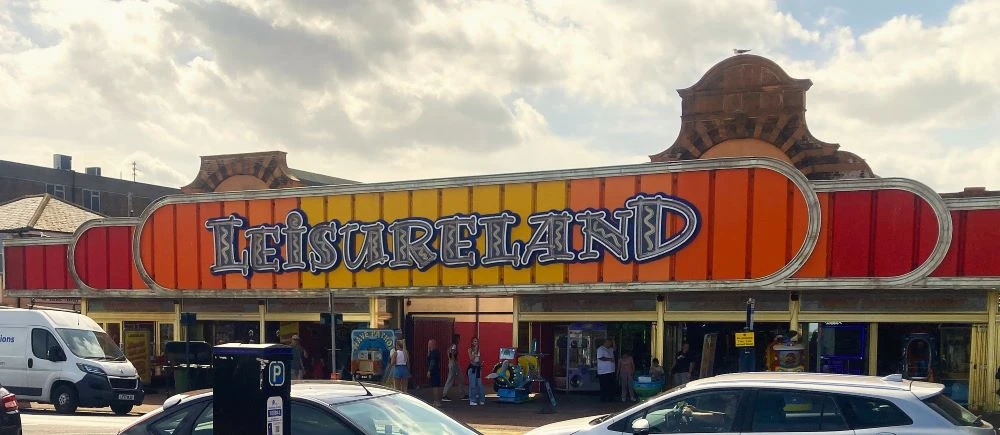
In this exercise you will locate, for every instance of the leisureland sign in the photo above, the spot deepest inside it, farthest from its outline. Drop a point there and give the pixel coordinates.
(636, 233)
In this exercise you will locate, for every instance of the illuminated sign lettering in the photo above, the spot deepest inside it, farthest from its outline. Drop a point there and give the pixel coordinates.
(637, 232)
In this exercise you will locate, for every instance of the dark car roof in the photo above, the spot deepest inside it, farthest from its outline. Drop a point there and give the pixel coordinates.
(330, 392)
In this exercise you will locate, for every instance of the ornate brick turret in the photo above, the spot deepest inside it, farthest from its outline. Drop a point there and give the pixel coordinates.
(253, 171)
(747, 105)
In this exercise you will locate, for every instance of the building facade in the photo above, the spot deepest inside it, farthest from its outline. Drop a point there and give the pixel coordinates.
(91, 190)
(873, 275)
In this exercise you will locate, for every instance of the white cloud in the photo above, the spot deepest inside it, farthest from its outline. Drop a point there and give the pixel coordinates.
(396, 89)
(913, 99)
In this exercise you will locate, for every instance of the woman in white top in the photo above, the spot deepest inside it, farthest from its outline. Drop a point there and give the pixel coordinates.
(477, 395)
(400, 362)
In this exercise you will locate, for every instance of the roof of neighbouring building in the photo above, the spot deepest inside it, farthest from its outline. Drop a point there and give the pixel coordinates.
(43, 213)
(314, 179)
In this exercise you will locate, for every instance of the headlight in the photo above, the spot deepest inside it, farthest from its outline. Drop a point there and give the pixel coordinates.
(95, 370)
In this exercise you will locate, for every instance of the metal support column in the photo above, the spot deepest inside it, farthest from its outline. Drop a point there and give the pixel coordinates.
(177, 322)
(261, 335)
(334, 374)
(872, 348)
(794, 305)
(515, 312)
(992, 350)
(373, 313)
(660, 334)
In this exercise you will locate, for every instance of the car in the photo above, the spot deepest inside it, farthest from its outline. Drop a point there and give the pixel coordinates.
(10, 416)
(317, 407)
(773, 403)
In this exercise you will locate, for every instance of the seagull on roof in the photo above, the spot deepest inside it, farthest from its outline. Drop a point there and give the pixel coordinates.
(740, 50)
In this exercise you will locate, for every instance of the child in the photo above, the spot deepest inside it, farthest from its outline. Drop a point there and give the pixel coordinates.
(656, 371)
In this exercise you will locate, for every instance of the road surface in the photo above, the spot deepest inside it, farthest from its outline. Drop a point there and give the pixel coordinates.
(43, 422)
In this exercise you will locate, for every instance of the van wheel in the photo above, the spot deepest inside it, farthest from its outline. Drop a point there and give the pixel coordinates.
(122, 408)
(65, 400)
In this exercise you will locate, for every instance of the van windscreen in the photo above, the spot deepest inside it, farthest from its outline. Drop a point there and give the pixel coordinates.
(91, 344)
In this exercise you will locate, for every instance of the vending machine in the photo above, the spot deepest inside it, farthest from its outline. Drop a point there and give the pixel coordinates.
(576, 353)
(842, 348)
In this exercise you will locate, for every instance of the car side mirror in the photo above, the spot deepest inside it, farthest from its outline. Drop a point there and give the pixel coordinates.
(640, 427)
(55, 354)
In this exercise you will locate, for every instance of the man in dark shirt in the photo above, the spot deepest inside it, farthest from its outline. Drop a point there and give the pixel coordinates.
(683, 368)
(434, 370)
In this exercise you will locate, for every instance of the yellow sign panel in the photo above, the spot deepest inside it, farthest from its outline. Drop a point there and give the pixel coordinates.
(137, 352)
(744, 339)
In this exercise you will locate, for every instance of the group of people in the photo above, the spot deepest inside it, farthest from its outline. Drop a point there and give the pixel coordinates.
(399, 370)
(608, 372)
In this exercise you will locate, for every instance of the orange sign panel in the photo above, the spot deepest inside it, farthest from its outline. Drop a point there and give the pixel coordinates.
(672, 223)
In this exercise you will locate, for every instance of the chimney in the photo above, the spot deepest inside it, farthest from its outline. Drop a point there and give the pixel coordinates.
(63, 162)
(95, 171)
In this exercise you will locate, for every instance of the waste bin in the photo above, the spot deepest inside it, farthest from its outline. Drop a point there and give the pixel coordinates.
(189, 364)
(252, 389)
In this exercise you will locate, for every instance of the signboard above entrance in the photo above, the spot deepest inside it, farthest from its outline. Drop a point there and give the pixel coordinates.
(717, 222)
(635, 233)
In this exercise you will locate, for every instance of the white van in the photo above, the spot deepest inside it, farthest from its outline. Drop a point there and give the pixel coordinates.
(66, 359)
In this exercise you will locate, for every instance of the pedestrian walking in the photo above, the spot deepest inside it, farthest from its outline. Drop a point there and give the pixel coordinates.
(683, 368)
(434, 370)
(454, 371)
(400, 363)
(299, 356)
(477, 395)
(606, 370)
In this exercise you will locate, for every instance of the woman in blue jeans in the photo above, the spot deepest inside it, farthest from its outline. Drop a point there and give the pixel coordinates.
(477, 395)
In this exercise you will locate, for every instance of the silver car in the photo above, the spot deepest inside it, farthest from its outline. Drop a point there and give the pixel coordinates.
(782, 403)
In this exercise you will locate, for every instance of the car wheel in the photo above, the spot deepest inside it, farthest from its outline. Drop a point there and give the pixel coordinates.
(65, 400)
(122, 408)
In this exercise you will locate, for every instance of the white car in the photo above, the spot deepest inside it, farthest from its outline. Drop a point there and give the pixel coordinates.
(782, 403)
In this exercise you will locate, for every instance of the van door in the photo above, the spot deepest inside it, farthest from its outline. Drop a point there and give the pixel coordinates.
(45, 361)
(13, 365)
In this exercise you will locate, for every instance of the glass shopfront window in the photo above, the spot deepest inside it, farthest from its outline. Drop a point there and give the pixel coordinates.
(726, 301)
(318, 305)
(565, 303)
(894, 301)
(219, 305)
(130, 305)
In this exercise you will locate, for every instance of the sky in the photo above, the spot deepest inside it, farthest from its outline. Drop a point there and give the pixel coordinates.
(396, 89)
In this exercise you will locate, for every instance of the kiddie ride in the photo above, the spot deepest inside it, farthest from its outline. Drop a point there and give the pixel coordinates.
(512, 381)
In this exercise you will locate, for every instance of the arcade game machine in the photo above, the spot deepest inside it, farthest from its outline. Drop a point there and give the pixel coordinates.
(842, 347)
(955, 344)
(787, 353)
(919, 356)
(576, 356)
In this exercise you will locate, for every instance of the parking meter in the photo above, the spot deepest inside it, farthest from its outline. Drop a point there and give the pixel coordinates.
(252, 389)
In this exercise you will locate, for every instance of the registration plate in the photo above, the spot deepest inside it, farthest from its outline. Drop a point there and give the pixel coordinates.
(127, 397)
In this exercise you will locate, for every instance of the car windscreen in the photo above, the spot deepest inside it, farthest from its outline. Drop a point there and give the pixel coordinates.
(400, 414)
(91, 344)
(952, 411)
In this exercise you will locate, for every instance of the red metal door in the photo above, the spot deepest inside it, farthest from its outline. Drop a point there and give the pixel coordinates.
(425, 329)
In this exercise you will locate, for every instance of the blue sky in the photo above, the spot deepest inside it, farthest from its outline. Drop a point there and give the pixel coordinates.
(863, 16)
(403, 90)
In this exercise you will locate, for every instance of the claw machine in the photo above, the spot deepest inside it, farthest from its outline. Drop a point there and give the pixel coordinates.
(576, 356)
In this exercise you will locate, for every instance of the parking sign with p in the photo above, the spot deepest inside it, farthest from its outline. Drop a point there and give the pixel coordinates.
(276, 373)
